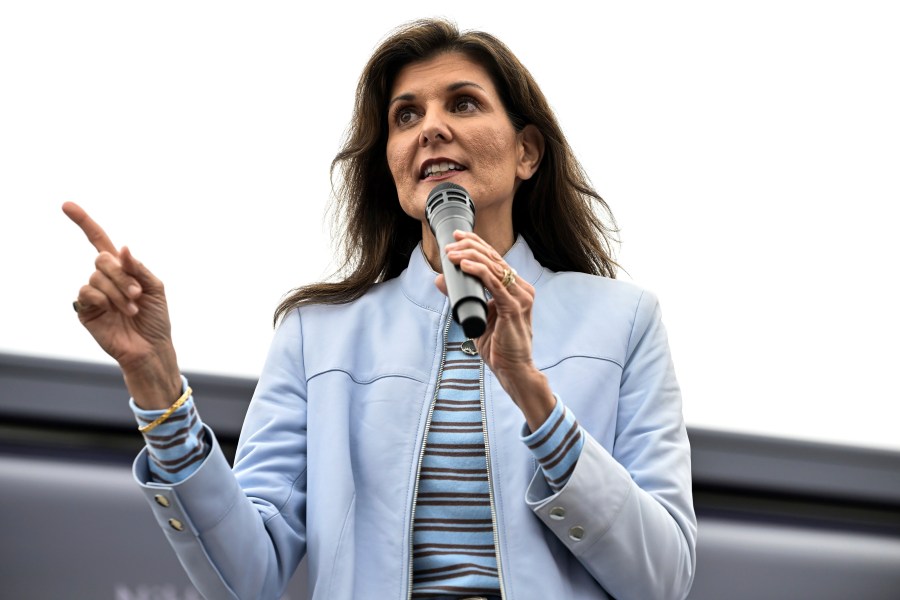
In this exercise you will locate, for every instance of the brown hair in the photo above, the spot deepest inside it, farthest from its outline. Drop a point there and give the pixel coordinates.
(553, 211)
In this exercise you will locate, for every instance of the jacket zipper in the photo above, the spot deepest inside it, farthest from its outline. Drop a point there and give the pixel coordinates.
(487, 457)
(437, 386)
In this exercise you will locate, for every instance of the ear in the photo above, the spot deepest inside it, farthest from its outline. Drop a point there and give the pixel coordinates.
(531, 151)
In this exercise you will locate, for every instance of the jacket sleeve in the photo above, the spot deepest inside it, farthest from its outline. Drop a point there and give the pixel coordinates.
(241, 533)
(628, 515)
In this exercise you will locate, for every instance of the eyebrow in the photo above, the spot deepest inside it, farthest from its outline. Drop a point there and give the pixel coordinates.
(450, 88)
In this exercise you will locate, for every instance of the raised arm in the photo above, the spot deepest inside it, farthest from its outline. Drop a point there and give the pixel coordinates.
(123, 306)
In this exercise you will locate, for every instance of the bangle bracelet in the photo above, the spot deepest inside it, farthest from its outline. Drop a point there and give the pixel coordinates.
(162, 418)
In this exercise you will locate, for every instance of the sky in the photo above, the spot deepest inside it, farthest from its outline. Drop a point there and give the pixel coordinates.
(748, 151)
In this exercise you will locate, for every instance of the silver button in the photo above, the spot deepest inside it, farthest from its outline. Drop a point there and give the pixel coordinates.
(557, 513)
(161, 500)
(576, 533)
(176, 524)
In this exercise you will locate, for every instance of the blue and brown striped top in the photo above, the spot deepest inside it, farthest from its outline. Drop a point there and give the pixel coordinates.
(453, 529)
(177, 446)
(453, 533)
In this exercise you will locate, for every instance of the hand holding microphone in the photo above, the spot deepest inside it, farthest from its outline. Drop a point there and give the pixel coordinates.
(449, 208)
(505, 331)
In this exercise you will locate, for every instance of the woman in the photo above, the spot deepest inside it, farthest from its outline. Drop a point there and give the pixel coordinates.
(405, 459)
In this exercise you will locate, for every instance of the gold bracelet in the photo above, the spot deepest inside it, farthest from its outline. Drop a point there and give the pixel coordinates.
(162, 418)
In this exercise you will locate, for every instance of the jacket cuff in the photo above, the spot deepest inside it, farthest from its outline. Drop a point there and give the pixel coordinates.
(575, 513)
(188, 509)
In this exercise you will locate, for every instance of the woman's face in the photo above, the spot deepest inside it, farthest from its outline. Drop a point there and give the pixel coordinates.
(446, 122)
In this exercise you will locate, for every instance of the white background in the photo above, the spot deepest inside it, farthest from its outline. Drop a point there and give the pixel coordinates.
(749, 151)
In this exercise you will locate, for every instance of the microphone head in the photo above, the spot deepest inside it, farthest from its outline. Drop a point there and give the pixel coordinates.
(448, 209)
(449, 200)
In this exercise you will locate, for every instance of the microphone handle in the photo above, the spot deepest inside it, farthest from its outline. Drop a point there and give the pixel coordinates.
(465, 291)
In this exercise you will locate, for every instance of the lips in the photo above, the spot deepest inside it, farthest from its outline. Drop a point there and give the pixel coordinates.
(435, 168)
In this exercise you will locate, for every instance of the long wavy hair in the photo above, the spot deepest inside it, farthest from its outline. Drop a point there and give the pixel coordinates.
(556, 210)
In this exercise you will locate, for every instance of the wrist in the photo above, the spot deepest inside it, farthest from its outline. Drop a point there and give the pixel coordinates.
(154, 385)
(531, 392)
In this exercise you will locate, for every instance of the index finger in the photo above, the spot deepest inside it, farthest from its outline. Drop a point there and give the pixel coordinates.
(95, 234)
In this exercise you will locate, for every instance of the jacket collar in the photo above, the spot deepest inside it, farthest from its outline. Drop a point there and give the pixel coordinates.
(417, 280)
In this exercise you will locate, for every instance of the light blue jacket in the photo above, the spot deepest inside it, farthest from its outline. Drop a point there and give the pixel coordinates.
(330, 448)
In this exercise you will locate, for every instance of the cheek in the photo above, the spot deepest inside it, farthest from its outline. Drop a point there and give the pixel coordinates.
(495, 149)
(398, 161)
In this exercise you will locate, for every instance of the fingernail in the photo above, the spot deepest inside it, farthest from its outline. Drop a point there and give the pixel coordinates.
(134, 290)
(132, 308)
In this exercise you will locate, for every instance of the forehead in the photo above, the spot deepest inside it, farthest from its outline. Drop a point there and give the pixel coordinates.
(437, 73)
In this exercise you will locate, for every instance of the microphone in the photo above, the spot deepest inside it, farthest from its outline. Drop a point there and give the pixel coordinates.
(449, 208)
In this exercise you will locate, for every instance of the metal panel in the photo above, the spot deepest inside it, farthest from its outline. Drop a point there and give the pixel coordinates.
(741, 560)
(75, 529)
(778, 518)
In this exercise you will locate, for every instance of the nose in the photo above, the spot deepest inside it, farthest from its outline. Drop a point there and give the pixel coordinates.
(434, 128)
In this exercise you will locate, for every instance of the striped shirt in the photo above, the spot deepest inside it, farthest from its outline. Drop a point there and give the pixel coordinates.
(453, 533)
(557, 445)
(176, 446)
(453, 529)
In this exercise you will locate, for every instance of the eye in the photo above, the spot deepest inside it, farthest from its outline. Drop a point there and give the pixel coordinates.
(404, 115)
(465, 104)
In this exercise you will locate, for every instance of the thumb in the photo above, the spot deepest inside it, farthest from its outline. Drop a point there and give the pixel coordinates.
(441, 284)
(136, 268)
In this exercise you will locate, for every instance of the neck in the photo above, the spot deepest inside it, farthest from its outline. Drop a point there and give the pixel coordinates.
(501, 239)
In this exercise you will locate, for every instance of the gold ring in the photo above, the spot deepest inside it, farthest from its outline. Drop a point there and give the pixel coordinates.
(509, 277)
